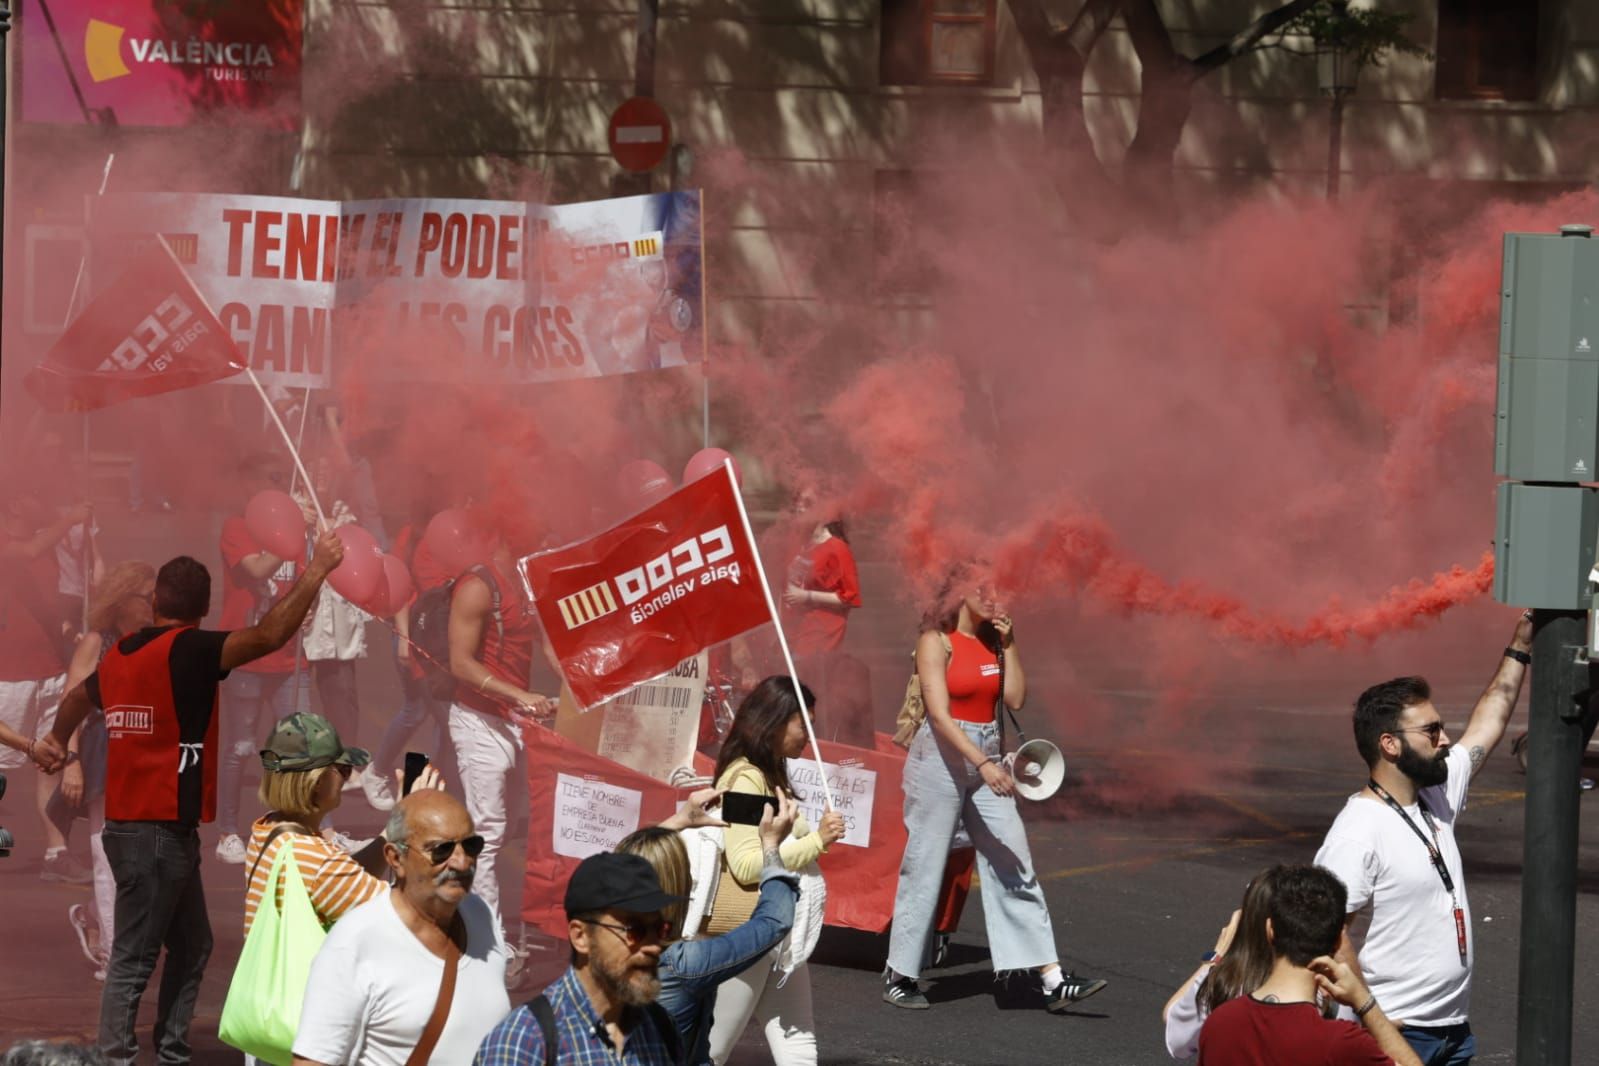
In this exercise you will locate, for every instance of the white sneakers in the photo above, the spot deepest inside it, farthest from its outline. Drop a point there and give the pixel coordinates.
(379, 796)
(230, 849)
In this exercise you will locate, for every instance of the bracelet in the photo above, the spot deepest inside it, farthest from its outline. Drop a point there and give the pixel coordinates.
(1365, 1008)
(982, 764)
(1520, 656)
(483, 686)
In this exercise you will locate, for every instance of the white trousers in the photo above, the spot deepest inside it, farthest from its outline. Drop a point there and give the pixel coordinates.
(105, 885)
(784, 1013)
(485, 755)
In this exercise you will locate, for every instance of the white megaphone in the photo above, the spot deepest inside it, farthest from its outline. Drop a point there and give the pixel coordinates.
(1038, 768)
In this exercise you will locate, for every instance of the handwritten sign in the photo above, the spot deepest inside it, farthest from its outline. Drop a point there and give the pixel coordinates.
(854, 791)
(592, 816)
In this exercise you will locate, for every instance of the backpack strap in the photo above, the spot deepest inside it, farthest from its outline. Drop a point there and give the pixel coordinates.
(544, 1014)
(667, 1028)
(485, 575)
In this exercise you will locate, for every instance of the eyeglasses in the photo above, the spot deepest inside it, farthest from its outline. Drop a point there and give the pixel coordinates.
(1434, 730)
(636, 933)
(439, 854)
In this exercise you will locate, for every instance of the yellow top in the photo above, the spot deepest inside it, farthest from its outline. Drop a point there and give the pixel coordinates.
(741, 844)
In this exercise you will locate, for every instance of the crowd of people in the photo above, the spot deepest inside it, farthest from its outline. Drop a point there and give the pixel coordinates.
(146, 723)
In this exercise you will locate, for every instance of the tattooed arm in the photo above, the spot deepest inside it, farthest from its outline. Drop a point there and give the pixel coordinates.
(1492, 713)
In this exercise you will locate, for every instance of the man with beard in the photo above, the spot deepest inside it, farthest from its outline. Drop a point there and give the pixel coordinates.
(1393, 846)
(423, 962)
(603, 1009)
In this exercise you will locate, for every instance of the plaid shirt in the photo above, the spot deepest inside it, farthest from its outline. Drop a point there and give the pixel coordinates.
(581, 1039)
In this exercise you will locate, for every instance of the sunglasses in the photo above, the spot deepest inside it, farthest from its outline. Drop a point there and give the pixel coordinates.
(636, 933)
(439, 854)
(1433, 731)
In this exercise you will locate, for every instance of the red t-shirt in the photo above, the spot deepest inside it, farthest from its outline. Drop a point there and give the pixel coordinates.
(972, 678)
(825, 567)
(1247, 1032)
(29, 605)
(245, 599)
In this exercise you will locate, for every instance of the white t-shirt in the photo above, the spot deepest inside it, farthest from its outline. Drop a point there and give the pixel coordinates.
(373, 986)
(1403, 924)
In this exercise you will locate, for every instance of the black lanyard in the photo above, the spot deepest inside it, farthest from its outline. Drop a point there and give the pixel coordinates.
(1435, 853)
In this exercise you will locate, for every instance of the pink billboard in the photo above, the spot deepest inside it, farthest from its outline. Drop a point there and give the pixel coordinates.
(162, 63)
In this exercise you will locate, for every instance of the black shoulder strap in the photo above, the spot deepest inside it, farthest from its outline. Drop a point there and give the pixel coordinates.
(281, 827)
(668, 1030)
(544, 1014)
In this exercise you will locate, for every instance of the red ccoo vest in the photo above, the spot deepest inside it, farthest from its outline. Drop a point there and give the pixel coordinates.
(154, 770)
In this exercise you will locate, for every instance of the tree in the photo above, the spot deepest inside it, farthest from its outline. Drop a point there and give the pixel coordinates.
(1060, 58)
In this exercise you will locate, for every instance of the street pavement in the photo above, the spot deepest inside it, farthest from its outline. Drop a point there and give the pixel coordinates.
(1138, 887)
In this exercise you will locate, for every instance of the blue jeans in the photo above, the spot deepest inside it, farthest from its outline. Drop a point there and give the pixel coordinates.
(1441, 1045)
(942, 790)
(252, 703)
(160, 904)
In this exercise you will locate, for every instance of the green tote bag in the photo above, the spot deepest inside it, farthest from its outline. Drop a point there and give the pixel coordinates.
(262, 1010)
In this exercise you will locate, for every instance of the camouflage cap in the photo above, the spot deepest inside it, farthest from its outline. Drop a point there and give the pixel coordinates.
(308, 742)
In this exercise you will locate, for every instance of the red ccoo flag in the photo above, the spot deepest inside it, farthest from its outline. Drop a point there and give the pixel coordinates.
(150, 332)
(634, 601)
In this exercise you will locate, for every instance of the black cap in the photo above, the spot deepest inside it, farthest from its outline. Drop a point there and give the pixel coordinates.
(611, 881)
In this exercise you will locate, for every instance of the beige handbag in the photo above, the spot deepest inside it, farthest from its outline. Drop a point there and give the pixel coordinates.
(912, 711)
(733, 904)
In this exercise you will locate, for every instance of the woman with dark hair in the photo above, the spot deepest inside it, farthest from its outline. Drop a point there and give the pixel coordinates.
(955, 773)
(768, 730)
(1240, 963)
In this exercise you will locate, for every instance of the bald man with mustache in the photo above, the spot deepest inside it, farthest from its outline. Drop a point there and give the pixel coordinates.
(380, 975)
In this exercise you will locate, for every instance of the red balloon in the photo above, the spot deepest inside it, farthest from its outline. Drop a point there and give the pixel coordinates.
(454, 540)
(710, 460)
(277, 523)
(642, 483)
(397, 588)
(360, 576)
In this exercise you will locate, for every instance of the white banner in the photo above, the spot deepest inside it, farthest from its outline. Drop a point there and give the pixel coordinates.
(481, 291)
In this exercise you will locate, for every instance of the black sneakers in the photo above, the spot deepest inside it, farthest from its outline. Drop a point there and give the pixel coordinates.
(903, 992)
(1072, 989)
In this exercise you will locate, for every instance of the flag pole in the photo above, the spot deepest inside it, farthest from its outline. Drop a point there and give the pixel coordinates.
(782, 640)
(88, 473)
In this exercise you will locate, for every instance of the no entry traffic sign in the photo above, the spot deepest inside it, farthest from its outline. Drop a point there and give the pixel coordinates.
(640, 134)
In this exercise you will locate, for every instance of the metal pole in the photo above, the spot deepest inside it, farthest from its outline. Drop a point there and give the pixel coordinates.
(1335, 144)
(1560, 688)
(625, 183)
(5, 129)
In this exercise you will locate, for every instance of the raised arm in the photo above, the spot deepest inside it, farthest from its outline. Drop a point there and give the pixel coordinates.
(283, 620)
(1498, 702)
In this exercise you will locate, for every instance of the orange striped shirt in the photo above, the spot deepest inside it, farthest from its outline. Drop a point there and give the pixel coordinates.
(335, 882)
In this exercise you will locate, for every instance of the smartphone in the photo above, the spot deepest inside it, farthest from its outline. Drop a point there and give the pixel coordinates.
(415, 763)
(745, 808)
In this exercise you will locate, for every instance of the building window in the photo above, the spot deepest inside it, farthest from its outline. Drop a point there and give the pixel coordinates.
(1487, 50)
(899, 269)
(937, 42)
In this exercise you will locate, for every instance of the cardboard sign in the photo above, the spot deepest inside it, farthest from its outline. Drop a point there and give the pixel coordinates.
(854, 796)
(590, 816)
